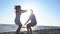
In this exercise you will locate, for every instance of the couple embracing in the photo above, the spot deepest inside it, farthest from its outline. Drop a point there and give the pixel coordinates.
(18, 12)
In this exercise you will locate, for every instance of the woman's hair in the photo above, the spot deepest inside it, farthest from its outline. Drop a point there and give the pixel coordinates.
(17, 6)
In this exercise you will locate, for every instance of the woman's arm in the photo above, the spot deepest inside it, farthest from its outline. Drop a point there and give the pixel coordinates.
(22, 11)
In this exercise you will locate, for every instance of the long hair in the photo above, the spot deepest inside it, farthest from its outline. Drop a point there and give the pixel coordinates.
(17, 7)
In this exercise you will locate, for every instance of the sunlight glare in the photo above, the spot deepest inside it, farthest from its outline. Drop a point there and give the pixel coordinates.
(25, 16)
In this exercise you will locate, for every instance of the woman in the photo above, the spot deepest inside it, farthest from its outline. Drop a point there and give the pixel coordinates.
(18, 12)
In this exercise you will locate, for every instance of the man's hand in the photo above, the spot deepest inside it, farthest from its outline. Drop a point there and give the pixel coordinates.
(26, 22)
(31, 9)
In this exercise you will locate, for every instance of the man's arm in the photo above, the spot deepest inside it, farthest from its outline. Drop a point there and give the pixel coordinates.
(26, 22)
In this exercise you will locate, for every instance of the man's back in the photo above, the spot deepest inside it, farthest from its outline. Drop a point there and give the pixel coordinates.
(32, 18)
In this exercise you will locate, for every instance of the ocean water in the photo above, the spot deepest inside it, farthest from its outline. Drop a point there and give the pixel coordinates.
(10, 28)
(13, 27)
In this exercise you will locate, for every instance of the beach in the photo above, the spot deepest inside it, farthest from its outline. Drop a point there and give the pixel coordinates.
(45, 31)
(10, 29)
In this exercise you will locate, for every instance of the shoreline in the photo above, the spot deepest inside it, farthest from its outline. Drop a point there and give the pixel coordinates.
(45, 31)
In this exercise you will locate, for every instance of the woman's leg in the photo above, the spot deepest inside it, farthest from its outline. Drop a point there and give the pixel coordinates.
(18, 30)
(30, 30)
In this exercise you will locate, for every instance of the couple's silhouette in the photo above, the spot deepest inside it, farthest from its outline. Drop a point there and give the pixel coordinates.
(33, 22)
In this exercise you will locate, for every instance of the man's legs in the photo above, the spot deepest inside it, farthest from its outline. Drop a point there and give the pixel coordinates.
(31, 25)
(27, 28)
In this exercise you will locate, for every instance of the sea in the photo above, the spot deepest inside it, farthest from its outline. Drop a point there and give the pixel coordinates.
(13, 27)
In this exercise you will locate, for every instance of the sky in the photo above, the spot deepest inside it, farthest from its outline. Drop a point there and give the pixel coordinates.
(47, 12)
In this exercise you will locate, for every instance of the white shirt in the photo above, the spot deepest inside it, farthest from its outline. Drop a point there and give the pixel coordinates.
(32, 18)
